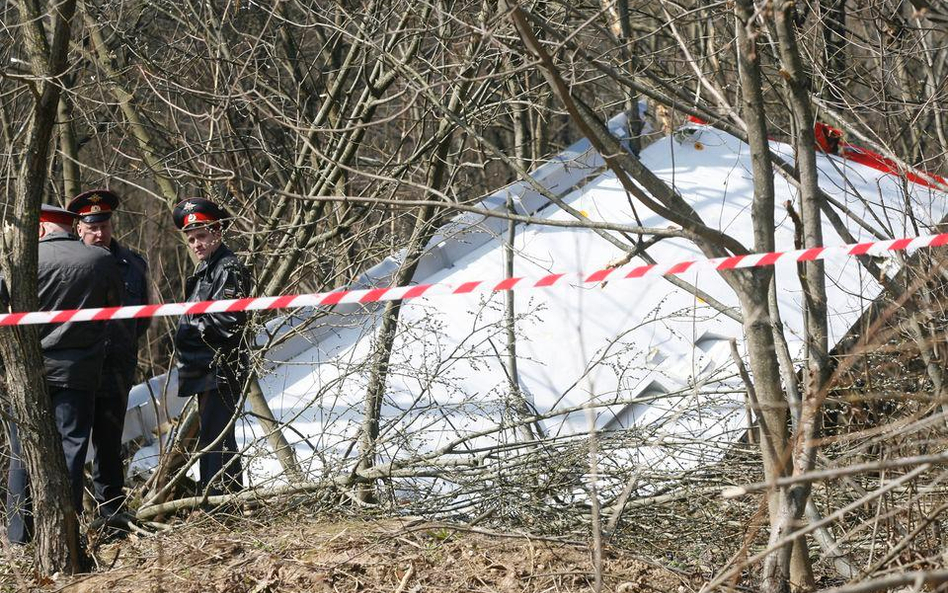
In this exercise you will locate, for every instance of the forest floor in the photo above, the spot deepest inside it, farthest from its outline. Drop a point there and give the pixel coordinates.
(305, 552)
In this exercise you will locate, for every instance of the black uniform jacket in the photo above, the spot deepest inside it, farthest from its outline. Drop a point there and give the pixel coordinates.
(73, 276)
(209, 345)
(121, 357)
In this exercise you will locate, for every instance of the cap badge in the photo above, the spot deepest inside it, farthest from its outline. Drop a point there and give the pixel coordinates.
(189, 206)
(95, 208)
(190, 218)
(95, 199)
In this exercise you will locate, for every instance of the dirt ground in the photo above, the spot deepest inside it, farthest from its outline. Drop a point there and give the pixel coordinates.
(308, 553)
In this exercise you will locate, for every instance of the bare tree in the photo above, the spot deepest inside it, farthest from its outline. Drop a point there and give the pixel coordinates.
(56, 526)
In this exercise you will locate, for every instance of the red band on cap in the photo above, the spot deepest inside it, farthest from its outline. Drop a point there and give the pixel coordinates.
(94, 209)
(196, 218)
(57, 218)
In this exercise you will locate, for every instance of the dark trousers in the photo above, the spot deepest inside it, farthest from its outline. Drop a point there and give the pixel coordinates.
(217, 408)
(73, 410)
(108, 463)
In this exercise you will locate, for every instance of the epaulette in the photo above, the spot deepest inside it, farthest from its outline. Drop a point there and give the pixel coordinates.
(232, 265)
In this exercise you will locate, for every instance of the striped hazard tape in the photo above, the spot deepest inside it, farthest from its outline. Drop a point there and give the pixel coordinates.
(395, 293)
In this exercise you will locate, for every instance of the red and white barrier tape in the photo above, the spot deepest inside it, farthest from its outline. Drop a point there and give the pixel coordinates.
(395, 293)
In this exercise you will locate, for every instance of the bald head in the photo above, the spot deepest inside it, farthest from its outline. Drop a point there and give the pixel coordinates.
(54, 219)
(46, 228)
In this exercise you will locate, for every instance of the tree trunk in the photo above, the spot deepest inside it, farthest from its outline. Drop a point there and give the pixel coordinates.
(777, 567)
(56, 527)
(516, 405)
(69, 154)
(284, 452)
(775, 438)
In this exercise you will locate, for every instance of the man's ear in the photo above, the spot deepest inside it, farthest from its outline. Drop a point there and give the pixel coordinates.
(42, 230)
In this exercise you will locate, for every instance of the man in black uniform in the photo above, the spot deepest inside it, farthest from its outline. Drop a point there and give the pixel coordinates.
(70, 276)
(94, 209)
(211, 362)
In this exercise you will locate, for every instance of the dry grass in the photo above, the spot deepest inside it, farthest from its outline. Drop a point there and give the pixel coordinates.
(309, 553)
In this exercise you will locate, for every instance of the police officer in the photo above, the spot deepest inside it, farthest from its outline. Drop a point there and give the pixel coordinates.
(211, 362)
(94, 209)
(69, 276)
